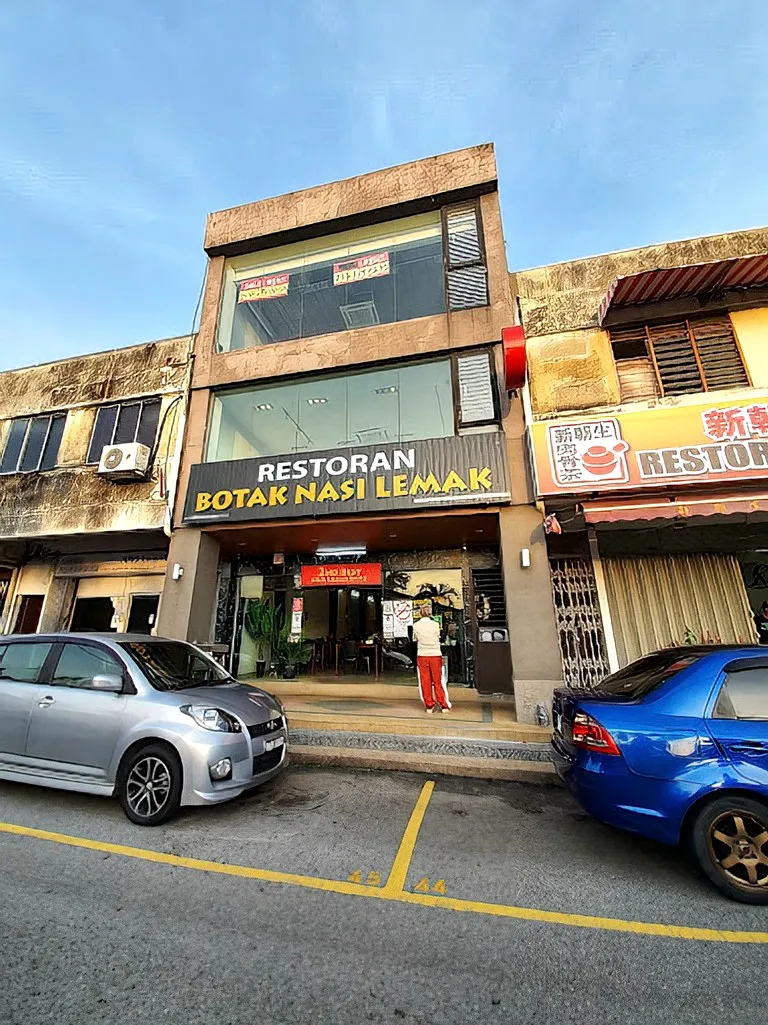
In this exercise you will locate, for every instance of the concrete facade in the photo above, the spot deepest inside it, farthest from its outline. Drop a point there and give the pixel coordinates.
(189, 603)
(63, 528)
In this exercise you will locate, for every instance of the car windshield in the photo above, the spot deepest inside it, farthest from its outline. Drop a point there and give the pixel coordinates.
(646, 674)
(174, 665)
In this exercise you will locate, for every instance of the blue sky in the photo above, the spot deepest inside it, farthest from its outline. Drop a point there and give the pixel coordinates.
(616, 124)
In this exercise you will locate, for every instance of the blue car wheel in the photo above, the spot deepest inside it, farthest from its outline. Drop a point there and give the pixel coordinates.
(730, 842)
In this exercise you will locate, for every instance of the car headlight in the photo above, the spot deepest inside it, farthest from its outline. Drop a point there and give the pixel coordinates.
(212, 718)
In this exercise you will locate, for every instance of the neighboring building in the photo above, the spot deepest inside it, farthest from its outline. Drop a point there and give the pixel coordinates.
(648, 386)
(355, 446)
(83, 547)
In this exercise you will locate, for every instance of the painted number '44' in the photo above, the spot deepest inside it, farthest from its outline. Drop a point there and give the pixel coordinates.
(423, 886)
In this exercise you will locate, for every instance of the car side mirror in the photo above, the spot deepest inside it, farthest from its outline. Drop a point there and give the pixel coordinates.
(108, 682)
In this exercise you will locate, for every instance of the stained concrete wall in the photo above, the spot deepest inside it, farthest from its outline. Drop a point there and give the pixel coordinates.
(570, 361)
(73, 499)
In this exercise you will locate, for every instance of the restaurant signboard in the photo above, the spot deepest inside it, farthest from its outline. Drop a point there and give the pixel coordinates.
(418, 475)
(354, 574)
(704, 443)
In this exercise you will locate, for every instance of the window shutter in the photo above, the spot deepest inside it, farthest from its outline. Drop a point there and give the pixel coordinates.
(675, 358)
(719, 353)
(475, 389)
(637, 380)
(465, 266)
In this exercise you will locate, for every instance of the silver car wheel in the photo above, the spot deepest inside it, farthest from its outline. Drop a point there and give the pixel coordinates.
(148, 786)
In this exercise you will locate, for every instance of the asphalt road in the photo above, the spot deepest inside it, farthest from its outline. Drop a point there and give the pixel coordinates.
(91, 936)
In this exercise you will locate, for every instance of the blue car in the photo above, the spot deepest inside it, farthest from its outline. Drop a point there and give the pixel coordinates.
(675, 747)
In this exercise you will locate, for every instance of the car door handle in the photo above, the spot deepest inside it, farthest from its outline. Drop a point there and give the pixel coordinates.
(749, 747)
(46, 702)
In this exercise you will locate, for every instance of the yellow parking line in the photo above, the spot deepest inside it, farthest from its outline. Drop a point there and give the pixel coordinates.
(396, 881)
(400, 896)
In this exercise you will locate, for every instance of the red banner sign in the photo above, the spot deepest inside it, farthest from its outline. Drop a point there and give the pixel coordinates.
(360, 268)
(273, 286)
(358, 574)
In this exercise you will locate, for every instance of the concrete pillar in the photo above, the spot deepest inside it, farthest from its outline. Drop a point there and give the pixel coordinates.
(188, 605)
(536, 667)
(57, 605)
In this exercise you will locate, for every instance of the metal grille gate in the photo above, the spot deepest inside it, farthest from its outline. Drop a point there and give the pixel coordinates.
(579, 624)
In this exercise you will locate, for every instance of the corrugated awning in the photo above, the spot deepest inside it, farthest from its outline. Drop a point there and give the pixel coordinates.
(652, 286)
(659, 508)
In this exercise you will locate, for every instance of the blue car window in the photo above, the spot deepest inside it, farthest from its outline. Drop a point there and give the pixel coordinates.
(644, 675)
(744, 695)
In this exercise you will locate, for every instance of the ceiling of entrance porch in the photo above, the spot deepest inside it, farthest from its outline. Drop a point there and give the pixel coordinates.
(405, 532)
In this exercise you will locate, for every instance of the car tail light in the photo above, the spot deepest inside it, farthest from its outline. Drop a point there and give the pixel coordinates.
(587, 732)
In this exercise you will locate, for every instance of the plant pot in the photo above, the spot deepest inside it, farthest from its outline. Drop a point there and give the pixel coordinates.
(261, 668)
(289, 672)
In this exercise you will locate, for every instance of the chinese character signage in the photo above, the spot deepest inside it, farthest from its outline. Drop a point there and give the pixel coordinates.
(682, 444)
(273, 286)
(360, 268)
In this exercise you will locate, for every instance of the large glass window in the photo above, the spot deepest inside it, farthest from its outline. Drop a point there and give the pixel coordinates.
(397, 404)
(33, 444)
(124, 423)
(374, 275)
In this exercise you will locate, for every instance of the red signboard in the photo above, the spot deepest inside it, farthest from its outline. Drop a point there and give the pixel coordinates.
(355, 574)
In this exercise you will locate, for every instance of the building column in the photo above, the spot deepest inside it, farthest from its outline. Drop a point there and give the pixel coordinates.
(188, 604)
(536, 666)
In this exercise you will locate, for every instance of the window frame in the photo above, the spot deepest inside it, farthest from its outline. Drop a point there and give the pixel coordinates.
(690, 327)
(31, 419)
(721, 691)
(41, 672)
(54, 658)
(143, 402)
(481, 261)
(462, 426)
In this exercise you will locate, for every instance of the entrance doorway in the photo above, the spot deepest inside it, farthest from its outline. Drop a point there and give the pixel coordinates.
(28, 616)
(143, 614)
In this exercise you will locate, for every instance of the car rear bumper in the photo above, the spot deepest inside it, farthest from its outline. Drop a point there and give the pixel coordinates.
(606, 789)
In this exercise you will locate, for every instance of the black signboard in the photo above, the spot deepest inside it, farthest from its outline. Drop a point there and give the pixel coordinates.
(421, 475)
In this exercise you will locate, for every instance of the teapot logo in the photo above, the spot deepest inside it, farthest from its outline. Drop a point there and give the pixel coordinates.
(587, 453)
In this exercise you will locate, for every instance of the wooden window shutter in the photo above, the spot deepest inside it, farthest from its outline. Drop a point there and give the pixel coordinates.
(719, 353)
(466, 275)
(476, 404)
(634, 366)
(676, 360)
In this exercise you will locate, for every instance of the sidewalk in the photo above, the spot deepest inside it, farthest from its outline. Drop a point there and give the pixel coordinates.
(370, 725)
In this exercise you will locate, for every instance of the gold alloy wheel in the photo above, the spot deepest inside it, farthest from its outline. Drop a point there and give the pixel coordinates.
(738, 845)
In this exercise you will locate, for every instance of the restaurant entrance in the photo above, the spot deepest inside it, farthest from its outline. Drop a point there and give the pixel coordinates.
(350, 622)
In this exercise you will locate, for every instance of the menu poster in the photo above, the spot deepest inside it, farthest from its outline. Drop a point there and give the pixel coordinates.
(403, 612)
(296, 616)
(387, 620)
(272, 286)
(360, 268)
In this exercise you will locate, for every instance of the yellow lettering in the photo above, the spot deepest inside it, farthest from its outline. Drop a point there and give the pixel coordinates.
(453, 482)
(257, 498)
(399, 485)
(361, 487)
(240, 494)
(347, 488)
(278, 494)
(381, 491)
(480, 478)
(308, 493)
(222, 500)
(203, 501)
(424, 484)
(327, 493)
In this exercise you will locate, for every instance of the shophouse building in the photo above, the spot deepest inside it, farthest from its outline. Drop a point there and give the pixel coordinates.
(648, 374)
(355, 447)
(89, 453)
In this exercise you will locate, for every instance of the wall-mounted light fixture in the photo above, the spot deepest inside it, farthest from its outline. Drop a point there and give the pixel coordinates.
(525, 558)
(178, 571)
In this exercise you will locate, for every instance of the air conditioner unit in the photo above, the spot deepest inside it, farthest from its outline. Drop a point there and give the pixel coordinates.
(124, 462)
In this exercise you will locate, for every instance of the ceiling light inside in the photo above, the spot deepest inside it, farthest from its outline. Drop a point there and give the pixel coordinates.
(316, 402)
(392, 390)
(264, 407)
(341, 550)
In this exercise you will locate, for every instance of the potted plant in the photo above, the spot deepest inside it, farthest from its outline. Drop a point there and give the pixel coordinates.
(260, 621)
(292, 652)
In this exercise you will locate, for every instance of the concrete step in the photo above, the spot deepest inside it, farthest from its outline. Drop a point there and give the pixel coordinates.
(450, 725)
(480, 759)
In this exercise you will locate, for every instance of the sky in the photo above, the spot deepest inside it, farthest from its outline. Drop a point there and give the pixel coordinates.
(616, 124)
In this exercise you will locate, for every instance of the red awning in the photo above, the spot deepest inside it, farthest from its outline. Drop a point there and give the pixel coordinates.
(677, 508)
(652, 286)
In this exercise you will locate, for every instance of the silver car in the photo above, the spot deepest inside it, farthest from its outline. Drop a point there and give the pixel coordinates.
(155, 722)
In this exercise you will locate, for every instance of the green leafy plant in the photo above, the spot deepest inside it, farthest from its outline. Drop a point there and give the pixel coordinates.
(260, 623)
(292, 651)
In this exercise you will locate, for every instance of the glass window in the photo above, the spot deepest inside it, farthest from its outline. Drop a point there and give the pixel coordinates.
(122, 424)
(79, 663)
(33, 444)
(174, 665)
(374, 275)
(744, 695)
(23, 661)
(647, 673)
(397, 404)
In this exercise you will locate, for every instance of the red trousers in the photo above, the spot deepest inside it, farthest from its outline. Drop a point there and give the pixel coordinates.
(433, 688)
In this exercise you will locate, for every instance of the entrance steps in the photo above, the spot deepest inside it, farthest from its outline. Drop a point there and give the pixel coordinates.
(377, 725)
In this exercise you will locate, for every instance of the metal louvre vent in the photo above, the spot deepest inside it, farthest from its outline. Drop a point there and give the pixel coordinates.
(465, 265)
(685, 356)
(490, 603)
(475, 388)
